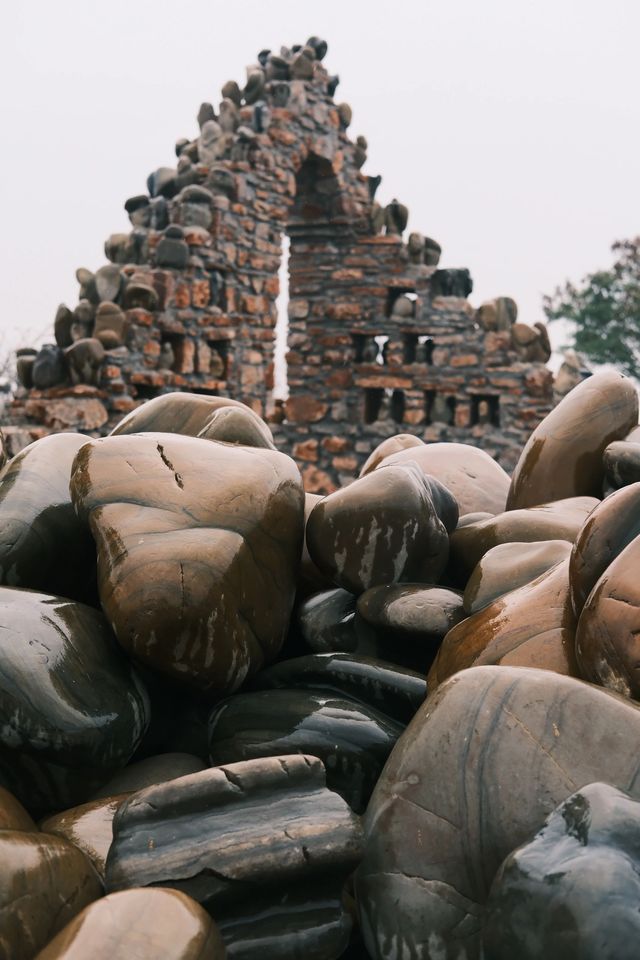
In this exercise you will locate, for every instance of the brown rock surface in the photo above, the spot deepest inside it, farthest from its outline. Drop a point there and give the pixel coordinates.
(198, 549)
(508, 566)
(533, 626)
(485, 760)
(149, 924)
(563, 456)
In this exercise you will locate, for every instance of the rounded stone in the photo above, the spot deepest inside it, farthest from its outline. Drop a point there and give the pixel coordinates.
(13, 815)
(532, 626)
(144, 773)
(352, 738)
(621, 461)
(382, 528)
(573, 890)
(508, 566)
(392, 690)
(476, 481)
(184, 413)
(43, 545)
(402, 441)
(328, 622)
(560, 520)
(198, 547)
(148, 924)
(608, 529)
(87, 827)
(410, 620)
(44, 882)
(483, 762)
(61, 736)
(608, 633)
(238, 426)
(563, 456)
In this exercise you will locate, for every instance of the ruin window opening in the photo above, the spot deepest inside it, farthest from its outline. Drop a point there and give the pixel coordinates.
(317, 202)
(373, 397)
(418, 348)
(172, 350)
(382, 343)
(218, 286)
(485, 408)
(218, 360)
(394, 294)
(397, 405)
(144, 391)
(439, 408)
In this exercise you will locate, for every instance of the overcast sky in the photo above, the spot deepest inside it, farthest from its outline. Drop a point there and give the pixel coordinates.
(510, 128)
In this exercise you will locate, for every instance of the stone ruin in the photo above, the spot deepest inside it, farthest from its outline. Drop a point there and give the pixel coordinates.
(381, 338)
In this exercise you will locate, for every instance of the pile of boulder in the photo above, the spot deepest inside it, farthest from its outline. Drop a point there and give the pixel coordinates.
(395, 721)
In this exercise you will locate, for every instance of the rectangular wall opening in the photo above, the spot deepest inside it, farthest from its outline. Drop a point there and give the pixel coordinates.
(485, 408)
(439, 408)
(218, 359)
(397, 405)
(373, 397)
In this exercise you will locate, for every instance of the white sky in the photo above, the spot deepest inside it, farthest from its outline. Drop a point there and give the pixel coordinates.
(509, 127)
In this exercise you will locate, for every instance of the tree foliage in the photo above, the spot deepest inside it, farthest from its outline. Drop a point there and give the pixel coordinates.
(605, 309)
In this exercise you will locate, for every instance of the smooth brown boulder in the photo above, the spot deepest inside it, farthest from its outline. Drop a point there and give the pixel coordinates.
(561, 520)
(484, 761)
(508, 566)
(43, 545)
(606, 532)
(533, 626)
(13, 815)
(44, 882)
(185, 413)
(608, 633)
(146, 924)
(476, 481)
(88, 827)
(410, 620)
(621, 461)
(311, 579)
(198, 550)
(235, 425)
(382, 528)
(563, 456)
(402, 441)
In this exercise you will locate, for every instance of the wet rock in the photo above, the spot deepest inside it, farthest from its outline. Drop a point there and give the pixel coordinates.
(608, 633)
(351, 738)
(198, 544)
(44, 882)
(621, 461)
(560, 520)
(500, 313)
(476, 481)
(206, 112)
(162, 182)
(608, 529)
(380, 529)
(402, 441)
(48, 369)
(87, 827)
(238, 426)
(186, 413)
(147, 772)
(13, 815)
(43, 545)
(410, 620)
(84, 359)
(392, 690)
(254, 87)
(149, 924)
(432, 252)
(345, 115)
(272, 841)
(328, 623)
(563, 456)
(311, 579)
(533, 626)
(573, 890)
(319, 47)
(441, 819)
(509, 566)
(72, 710)
(138, 210)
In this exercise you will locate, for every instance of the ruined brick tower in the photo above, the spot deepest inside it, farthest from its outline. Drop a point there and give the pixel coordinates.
(381, 340)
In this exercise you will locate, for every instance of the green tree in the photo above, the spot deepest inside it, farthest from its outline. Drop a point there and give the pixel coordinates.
(605, 309)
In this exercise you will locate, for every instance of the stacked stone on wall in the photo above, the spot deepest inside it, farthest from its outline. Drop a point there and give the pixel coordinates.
(380, 339)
